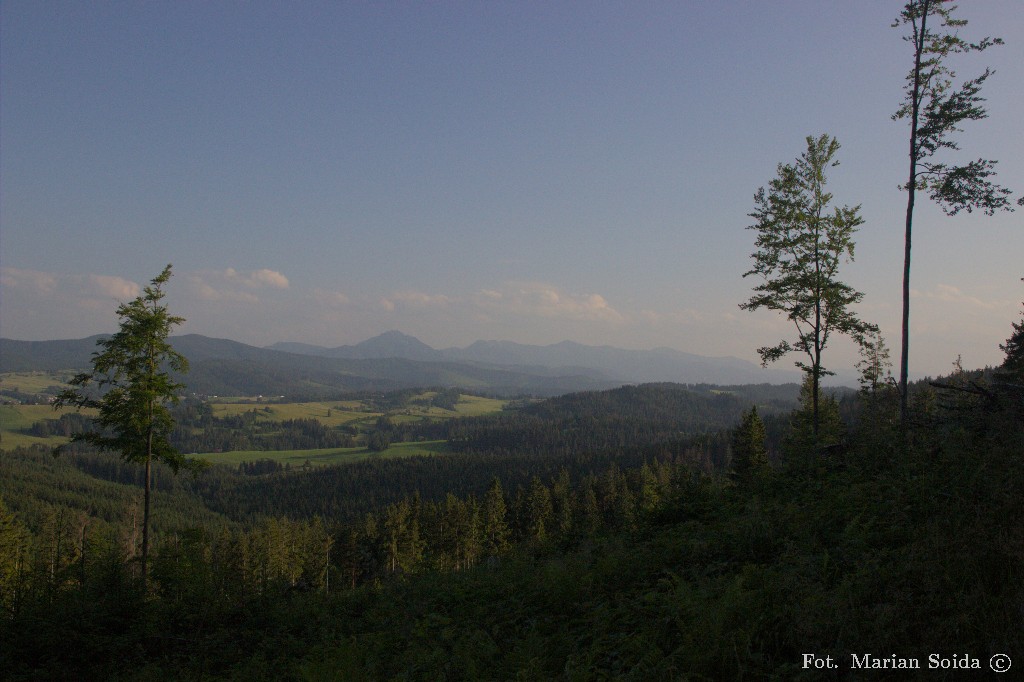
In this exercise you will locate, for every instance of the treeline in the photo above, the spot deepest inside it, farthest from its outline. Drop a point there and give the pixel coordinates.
(65, 426)
(86, 481)
(583, 434)
(100, 487)
(626, 417)
(198, 430)
(569, 424)
(892, 539)
(70, 549)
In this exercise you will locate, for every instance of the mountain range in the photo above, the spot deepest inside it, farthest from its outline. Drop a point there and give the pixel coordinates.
(394, 360)
(617, 365)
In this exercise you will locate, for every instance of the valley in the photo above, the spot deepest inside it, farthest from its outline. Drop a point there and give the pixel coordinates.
(491, 532)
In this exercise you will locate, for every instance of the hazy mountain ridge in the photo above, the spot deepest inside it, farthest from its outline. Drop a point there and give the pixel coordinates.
(392, 344)
(394, 360)
(225, 367)
(617, 364)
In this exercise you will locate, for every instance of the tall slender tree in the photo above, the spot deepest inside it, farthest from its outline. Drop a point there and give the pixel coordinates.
(749, 451)
(130, 387)
(495, 520)
(801, 242)
(935, 110)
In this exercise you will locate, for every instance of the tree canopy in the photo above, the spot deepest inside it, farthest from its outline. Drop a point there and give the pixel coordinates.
(802, 239)
(130, 387)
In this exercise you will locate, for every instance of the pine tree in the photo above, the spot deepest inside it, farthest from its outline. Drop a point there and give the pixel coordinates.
(495, 521)
(804, 439)
(1012, 368)
(650, 497)
(539, 510)
(749, 452)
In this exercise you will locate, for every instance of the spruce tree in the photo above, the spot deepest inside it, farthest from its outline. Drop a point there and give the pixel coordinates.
(130, 387)
(495, 520)
(749, 451)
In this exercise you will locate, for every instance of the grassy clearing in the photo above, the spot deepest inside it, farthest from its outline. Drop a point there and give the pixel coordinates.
(468, 406)
(329, 413)
(13, 418)
(329, 455)
(476, 406)
(34, 382)
(337, 413)
(10, 440)
(333, 413)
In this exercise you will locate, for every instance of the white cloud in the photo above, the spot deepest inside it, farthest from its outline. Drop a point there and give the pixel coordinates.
(55, 305)
(198, 287)
(32, 281)
(542, 300)
(947, 293)
(415, 299)
(332, 298)
(69, 287)
(112, 286)
(232, 285)
(258, 278)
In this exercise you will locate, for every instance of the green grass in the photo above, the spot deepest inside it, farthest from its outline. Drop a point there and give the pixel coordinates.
(476, 406)
(337, 413)
(331, 413)
(33, 382)
(328, 413)
(329, 455)
(13, 418)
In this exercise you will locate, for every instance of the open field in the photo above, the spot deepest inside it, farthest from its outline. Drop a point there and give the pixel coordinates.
(329, 455)
(333, 413)
(340, 412)
(33, 382)
(476, 406)
(328, 413)
(13, 418)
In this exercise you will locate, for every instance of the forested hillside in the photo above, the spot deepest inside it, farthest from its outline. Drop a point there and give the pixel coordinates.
(649, 555)
(223, 367)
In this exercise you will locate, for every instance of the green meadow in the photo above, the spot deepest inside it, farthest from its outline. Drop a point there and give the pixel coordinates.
(14, 418)
(340, 412)
(34, 382)
(328, 455)
(328, 413)
(332, 413)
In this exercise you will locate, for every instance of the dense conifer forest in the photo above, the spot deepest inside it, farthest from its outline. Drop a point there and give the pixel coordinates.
(597, 535)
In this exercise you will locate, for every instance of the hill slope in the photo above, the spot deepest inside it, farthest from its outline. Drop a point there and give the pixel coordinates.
(223, 367)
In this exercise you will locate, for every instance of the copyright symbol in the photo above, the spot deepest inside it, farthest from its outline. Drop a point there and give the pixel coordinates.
(1000, 663)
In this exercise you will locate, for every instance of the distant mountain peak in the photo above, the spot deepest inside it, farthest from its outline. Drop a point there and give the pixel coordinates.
(395, 344)
(393, 334)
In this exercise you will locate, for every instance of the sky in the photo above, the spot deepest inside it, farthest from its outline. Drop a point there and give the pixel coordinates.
(527, 171)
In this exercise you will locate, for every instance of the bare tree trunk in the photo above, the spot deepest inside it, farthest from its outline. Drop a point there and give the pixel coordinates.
(911, 191)
(146, 494)
(145, 523)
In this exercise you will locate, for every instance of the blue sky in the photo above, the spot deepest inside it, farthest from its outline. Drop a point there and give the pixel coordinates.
(530, 171)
